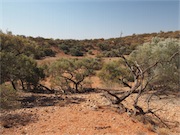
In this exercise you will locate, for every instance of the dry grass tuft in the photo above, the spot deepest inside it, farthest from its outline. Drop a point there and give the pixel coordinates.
(163, 131)
(140, 133)
(150, 127)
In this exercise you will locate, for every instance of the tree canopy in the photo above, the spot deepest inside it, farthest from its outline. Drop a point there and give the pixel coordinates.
(19, 68)
(23, 45)
(71, 73)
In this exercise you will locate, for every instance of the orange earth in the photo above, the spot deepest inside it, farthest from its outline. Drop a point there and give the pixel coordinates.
(75, 114)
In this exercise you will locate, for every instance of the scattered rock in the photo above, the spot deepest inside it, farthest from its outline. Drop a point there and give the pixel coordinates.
(113, 118)
(7, 126)
(99, 128)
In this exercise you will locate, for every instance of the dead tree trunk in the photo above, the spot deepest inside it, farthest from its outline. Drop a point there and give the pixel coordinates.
(140, 85)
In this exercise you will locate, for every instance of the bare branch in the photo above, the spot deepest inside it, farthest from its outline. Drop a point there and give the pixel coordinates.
(128, 65)
(159, 118)
(126, 84)
(148, 101)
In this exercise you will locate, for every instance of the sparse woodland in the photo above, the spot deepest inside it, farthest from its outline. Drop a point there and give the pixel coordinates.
(145, 65)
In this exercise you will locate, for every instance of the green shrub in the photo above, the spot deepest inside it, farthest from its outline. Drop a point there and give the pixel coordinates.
(9, 97)
(64, 47)
(76, 52)
(73, 49)
(49, 52)
(166, 52)
(104, 46)
(114, 72)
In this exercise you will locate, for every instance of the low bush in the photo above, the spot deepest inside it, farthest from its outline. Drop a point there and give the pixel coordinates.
(9, 97)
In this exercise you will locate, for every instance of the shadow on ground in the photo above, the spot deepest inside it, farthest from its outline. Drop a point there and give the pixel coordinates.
(48, 100)
(15, 120)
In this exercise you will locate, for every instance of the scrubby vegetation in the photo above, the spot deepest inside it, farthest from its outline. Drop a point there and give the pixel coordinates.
(152, 66)
(23, 45)
(9, 97)
(20, 68)
(146, 64)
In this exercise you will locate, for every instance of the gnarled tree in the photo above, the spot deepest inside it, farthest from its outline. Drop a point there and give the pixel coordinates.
(152, 64)
(70, 74)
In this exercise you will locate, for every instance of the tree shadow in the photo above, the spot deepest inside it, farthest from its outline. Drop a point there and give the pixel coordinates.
(48, 100)
(89, 91)
(150, 119)
(73, 100)
(15, 120)
(165, 94)
(40, 91)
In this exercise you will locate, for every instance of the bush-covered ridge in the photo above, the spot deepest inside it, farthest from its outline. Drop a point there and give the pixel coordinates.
(40, 47)
(23, 45)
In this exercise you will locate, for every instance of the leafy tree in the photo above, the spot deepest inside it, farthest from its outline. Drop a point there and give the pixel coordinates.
(19, 68)
(11, 43)
(71, 73)
(22, 45)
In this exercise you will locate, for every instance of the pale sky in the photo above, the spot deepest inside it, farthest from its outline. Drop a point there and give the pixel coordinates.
(88, 19)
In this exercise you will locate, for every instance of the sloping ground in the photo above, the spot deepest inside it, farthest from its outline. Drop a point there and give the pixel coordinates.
(88, 113)
(79, 114)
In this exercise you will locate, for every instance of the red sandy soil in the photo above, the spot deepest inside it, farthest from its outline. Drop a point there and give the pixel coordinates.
(91, 116)
(76, 114)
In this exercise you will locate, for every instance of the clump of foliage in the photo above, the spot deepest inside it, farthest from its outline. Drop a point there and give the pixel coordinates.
(104, 46)
(9, 97)
(23, 45)
(21, 68)
(64, 47)
(74, 48)
(164, 53)
(115, 72)
(70, 74)
(76, 51)
(17, 61)
(43, 51)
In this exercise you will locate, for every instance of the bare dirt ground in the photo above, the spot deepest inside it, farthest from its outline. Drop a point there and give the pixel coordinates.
(77, 114)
